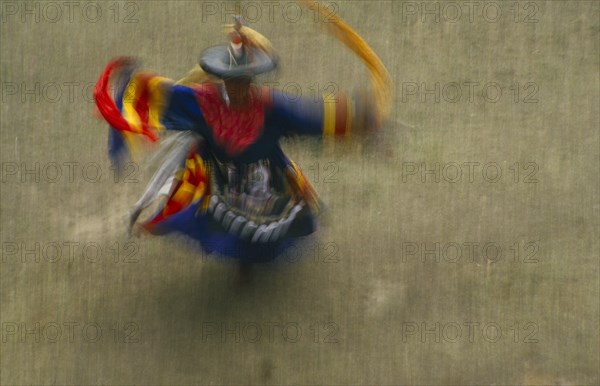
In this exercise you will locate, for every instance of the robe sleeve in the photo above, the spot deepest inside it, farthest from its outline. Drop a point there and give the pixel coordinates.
(144, 105)
(328, 116)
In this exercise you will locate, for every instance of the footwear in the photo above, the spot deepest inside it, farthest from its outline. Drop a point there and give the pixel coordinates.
(244, 275)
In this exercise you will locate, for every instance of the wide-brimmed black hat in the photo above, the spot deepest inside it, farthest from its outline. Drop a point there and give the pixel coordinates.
(248, 54)
(224, 62)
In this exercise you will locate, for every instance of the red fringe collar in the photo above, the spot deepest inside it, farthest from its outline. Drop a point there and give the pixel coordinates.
(235, 129)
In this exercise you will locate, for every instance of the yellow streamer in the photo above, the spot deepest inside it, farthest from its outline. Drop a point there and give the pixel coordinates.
(380, 78)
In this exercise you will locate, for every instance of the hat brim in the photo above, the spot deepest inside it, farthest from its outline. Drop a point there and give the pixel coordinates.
(216, 61)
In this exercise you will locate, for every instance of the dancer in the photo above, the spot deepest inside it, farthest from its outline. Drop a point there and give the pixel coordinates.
(224, 179)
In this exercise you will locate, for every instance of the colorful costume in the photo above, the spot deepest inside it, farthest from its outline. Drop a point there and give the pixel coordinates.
(224, 180)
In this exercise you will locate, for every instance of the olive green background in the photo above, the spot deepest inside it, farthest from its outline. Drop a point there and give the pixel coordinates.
(369, 310)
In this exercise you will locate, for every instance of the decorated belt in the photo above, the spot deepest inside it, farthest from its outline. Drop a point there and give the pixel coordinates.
(257, 230)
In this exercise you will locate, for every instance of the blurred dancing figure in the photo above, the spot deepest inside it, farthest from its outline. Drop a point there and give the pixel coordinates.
(224, 179)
